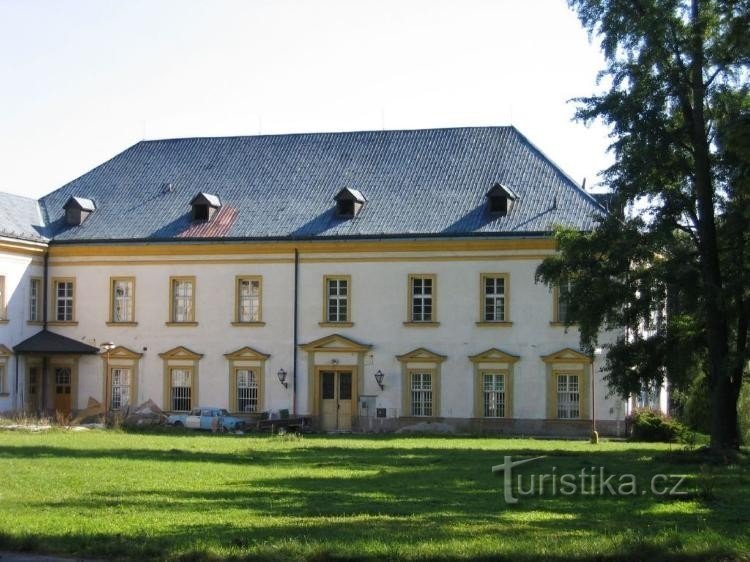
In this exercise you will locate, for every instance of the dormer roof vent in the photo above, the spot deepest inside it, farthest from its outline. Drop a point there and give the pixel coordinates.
(77, 210)
(204, 206)
(500, 199)
(349, 202)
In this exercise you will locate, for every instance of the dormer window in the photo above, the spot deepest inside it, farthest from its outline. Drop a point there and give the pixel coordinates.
(204, 206)
(500, 199)
(77, 210)
(349, 202)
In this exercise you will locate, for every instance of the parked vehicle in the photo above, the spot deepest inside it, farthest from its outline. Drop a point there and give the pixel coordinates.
(212, 419)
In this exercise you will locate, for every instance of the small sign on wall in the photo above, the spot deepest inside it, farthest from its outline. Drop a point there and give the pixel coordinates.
(381, 412)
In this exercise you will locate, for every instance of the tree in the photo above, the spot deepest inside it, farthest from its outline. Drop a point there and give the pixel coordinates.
(678, 105)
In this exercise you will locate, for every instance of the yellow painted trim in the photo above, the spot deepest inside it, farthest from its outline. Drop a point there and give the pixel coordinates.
(53, 301)
(494, 355)
(567, 355)
(494, 324)
(22, 247)
(237, 280)
(423, 355)
(506, 312)
(206, 261)
(122, 354)
(410, 300)
(181, 353)
(247, 353)
(112, 281)
(248, 324)
(5, 351)
(584, 381)
(336, 324)
(193, 315)
(348, 279)
(421, 324)
(3, 300)
(342, 344)
(182, 248)
(121, 324)
(181, 324)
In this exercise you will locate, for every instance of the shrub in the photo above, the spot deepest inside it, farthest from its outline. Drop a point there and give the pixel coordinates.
(743, 412)
(652, 425)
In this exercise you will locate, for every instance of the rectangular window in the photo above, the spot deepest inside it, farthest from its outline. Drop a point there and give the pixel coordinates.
(33, 380)
(35, 299)
(568, 397)
(64, 299)
(494, 395)
(123, 300)
(2, 298)
(421, 394)
(422, 298)
(494, 298)
(3, 382)
(247, 390)
(183, 299)
(563, 294)
(120, 388)
(337, 298)
(248, 299)
(182, 388)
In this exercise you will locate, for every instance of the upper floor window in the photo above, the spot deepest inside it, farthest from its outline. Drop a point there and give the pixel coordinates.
(495, 297)
(422, 293)
(64, 290)
(35, 299)
(3, 306)
(248, 300)
(182, 300)
(562, 307)
(337, 298)
(122, 300)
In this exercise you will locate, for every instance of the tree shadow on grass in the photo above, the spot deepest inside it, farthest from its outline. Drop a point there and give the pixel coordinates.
(387, 503)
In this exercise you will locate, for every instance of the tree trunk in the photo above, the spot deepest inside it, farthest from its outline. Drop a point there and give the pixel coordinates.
(724, 432)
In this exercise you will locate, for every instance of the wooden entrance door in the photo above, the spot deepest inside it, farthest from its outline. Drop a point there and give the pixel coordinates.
(336, 400)
(63, 376)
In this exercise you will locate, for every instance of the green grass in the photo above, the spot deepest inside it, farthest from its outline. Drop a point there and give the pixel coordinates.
(193, 496)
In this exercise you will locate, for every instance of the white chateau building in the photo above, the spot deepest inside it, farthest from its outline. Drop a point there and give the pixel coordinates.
(387, 277)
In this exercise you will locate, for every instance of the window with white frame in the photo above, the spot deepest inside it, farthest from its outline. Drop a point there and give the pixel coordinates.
(247, 390)
(337, 299)
(493, 394)
(182, 388)
(421, 393)
(248, 299)
(35, 300)
(64, 295)
(568, 396)
(123, 292)
(494, 289)
(183, 300)
(121, 385)
(421, 294)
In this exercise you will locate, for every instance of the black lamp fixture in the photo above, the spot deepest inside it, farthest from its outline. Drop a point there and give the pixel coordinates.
(379, 379)
(282, 377)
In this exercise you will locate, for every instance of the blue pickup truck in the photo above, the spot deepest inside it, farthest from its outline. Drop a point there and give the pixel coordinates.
(212, 419)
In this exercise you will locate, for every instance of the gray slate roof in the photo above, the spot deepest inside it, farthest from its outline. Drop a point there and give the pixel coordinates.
(20, 218)
(51, 342)
(417, 183)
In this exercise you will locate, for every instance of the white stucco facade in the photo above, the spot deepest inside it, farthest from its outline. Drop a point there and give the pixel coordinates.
(379, 284)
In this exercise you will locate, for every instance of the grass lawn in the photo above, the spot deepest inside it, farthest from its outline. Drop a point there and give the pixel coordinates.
(185, 496)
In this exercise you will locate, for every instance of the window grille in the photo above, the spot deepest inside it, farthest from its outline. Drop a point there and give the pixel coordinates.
(494, 395)
(181, 390)
(247, 391)
(120, 388)
(568, 397)
(421, 394)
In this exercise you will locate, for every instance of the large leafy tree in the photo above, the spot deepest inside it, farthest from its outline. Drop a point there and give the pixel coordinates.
(671, 260)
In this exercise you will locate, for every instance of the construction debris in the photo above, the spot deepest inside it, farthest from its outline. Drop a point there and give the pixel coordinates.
(147, 413)
(93, 408)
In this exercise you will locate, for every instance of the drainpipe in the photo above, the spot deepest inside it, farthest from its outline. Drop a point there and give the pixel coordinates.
(45, 296)
(296, 326)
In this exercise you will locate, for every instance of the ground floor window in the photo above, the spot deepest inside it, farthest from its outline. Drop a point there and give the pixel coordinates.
(121, 384)
(181, 380)
(421, 394)
(568, 397)
(494, 395)
(247, 390)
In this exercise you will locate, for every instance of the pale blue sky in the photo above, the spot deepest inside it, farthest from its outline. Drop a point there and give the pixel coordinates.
(82, 80)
